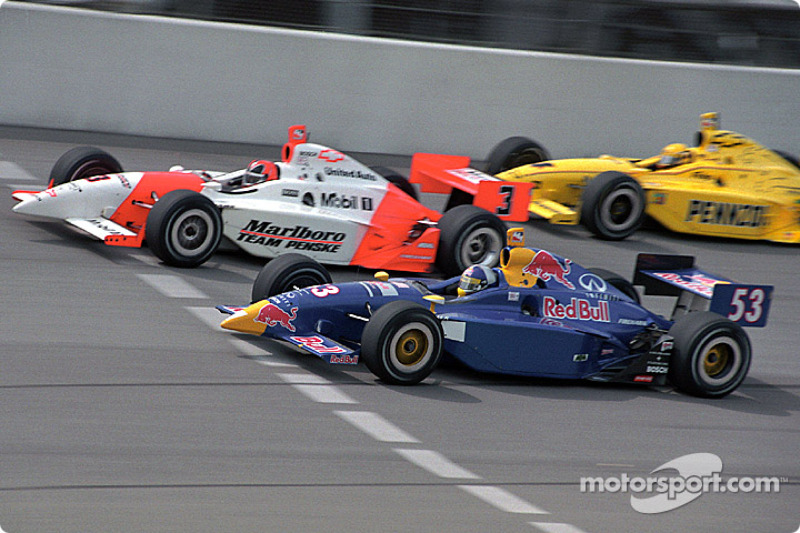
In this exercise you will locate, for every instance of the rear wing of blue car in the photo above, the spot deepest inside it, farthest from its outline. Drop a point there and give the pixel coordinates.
(698, 290)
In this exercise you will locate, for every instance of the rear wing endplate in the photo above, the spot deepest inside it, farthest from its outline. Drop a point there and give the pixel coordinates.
(698, 290)
(443, 174)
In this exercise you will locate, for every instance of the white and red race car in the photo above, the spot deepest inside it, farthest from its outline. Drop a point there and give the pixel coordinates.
(316, 201)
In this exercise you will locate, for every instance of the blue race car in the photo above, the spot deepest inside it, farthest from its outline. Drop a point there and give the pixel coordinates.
(538, 314)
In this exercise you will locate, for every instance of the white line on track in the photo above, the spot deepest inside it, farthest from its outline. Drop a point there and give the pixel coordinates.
(436, 463)
(11, 171)
(502, 499)
(324, 394)
(247, 348)
(376, 426)
(555, 527)
(317, 388)
(259, 355)
(304, 378)
(208, 315)
(146, 257)
(172, 286)
(274, 364)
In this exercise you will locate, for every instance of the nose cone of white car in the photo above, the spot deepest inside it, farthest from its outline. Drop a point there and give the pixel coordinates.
(33, 204)
(87, 198)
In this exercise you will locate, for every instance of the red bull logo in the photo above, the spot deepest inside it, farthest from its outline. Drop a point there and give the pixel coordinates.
(272, 315)
(547, 267)
(577, 309)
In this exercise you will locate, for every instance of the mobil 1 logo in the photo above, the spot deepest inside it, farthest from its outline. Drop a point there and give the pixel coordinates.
(336, 201)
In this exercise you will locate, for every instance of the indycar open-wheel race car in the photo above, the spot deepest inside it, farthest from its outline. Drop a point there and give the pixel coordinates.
(727, 185)
(537, 314)
(316, 200)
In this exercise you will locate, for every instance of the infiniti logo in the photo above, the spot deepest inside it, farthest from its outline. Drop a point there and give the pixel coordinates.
(592, 283)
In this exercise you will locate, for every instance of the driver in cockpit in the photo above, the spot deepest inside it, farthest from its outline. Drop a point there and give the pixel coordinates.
(259, 171)
(476, 278)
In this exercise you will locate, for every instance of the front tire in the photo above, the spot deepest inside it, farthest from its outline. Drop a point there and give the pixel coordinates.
(82, 162)
(402, 343)
(184, 228)
(711, 355)
(286, 273)
(613, 206)
(469, 236)
(515, 152)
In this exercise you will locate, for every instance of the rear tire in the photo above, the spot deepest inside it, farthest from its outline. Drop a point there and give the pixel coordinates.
(515, 152)
(82, 162)
(184, 228)
(791, 158)
(286, 273)
(397, 180)
(402, 343)
(469, 236)
(711, 355)
(613, 206)
(618, 282)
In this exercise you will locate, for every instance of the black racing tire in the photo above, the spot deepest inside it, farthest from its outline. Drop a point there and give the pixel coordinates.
(401, 182)
(613, 206)
(791, 158)
(82, 162)
(402, 343)
(286, 273)
(184, 228)
(619, 282)
(514, 152)
(711, 355)
(469, 236)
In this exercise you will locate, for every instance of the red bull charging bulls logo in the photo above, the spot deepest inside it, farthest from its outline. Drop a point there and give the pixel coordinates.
(272, 315)
(547, 267)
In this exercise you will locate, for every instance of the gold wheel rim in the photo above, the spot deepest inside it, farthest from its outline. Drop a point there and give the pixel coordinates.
(716, 360)
(411, 347)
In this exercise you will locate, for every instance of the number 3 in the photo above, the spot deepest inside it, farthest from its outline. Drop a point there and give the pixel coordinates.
(321, 291)
(507, 194)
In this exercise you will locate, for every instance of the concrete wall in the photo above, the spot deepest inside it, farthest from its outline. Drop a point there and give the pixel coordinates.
(82, 70)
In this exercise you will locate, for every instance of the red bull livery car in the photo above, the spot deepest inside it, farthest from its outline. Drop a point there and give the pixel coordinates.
(553, 317)
(316, 200)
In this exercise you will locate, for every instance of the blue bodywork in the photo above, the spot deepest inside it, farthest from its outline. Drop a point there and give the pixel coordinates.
(574, 326)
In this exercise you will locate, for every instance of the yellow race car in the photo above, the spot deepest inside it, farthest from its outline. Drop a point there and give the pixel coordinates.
(726, 186)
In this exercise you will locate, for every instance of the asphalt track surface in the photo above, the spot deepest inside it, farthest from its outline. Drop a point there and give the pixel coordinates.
(124, 407)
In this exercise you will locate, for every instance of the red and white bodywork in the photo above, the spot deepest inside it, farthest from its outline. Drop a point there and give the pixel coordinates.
(318, 202)
(113, 207)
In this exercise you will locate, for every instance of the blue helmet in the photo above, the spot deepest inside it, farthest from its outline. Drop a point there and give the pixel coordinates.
(476, 278)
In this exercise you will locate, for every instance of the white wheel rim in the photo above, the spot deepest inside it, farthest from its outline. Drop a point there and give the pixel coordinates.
(481, 247)
(192, 232)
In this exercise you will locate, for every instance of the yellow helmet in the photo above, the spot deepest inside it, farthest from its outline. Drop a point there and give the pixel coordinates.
(674, 154)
